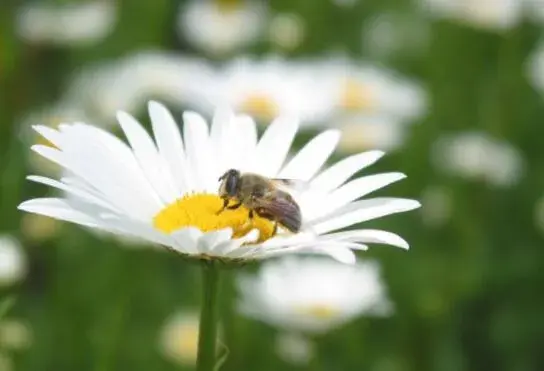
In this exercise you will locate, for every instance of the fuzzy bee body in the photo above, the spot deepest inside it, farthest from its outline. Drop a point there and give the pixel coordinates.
(261, 196)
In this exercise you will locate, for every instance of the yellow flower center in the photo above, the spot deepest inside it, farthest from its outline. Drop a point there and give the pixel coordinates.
(260, 105)
(356, 96)
(318, 311)
(201, 211)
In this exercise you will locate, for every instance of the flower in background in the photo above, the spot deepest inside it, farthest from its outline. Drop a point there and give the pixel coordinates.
(389, 34)
(286, 31)
(294, 348)
(487, 14)
(536, 68)
(15, 335)
(179, 338)
(222, 26)
(313, 295)
(166, 190)
(130, 82)
(367, 91)
(13, 265)
(372, 132)
(477, 155)
(272, 87)
(69, 24)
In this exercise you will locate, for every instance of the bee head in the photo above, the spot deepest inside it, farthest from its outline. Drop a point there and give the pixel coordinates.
(230, 182)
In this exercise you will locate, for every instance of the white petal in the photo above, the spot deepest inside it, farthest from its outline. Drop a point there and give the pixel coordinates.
(340, 172)
(219, 137)
(274, 145)
(170, 144)
(87, 197)
(246, 142)
(208, 242)
(59, 209)
(104, 161)
(147, 156)
(135, 228)
(311, 157)
(358, 188)
(237, 248)
(187, 240)
(50, 134)
(361, 211)
(368, 236)
(338, 252)
(199, 151)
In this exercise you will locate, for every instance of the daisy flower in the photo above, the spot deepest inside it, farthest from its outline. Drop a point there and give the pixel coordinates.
(371, 132)
(477, 155)
(73, 24)
(165, 190)
(286, 30)
(312, 295)
(131, 81)
(222, 26)
(368, 90)
(272, 87)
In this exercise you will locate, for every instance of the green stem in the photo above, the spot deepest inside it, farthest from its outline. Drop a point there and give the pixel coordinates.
(208, 318)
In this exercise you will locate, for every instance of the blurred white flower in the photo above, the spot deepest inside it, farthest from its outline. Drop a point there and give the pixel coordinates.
(272, 87)
(487, 14)
(535, 66)
(294, 348)
(15, 335)
(12, 261)
(313, 295)
(222, 26)
(387, 34)
(131, 81)
(437, 206)
(367, 90)
(69, 24)
(179, 338)
(370, 133)
(477, 155)
(286, 30)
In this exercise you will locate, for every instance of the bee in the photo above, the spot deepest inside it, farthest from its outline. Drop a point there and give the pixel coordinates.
(262, 196)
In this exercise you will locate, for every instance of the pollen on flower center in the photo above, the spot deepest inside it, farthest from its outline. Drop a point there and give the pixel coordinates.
(200, 211)
(319, 311)
(355, 96)
(260, 105)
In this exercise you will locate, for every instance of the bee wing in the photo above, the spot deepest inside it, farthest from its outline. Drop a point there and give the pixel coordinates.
(296, 185)
(282, 208)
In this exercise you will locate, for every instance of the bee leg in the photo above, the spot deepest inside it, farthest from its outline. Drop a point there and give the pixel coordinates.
(225, 204)
(275, 230)
(250, 214)
(234, 207)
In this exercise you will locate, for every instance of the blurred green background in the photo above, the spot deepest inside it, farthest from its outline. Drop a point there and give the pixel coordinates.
(469, 295)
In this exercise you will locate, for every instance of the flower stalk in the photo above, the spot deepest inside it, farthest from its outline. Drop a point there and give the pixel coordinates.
(208, 317)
